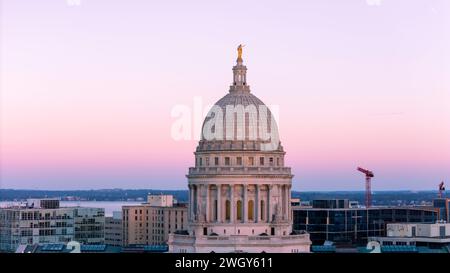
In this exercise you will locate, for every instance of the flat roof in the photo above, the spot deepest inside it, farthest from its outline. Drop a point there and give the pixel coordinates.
(364, 208)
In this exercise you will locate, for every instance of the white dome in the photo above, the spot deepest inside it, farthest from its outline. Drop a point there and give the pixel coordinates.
(239, 120)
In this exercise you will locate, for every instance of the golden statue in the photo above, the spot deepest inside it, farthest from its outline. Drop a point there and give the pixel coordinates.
(239, 49)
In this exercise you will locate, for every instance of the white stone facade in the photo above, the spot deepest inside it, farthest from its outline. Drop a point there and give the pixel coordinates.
(239, 191)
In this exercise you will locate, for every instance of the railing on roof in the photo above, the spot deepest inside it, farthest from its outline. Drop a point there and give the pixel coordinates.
(239, 170)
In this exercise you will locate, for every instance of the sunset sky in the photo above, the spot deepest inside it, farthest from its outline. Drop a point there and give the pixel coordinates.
(88, 86)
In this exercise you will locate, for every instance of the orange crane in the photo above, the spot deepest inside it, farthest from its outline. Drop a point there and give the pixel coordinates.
(369, 176)
(441, 189)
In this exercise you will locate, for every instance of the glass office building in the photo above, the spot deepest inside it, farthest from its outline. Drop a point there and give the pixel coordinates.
(442, 205)
(352, 226)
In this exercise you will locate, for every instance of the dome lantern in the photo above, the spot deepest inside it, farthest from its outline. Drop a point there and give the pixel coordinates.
(239, 74)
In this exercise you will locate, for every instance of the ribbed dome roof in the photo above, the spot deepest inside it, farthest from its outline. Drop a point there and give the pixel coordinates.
(239, 98)
(231, 102)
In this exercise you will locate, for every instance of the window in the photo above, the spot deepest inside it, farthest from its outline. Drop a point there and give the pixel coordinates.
(251, 161)
(227, 210)
(207, 161)
(441, 231)
(239, 210)
(238, 160)
(250, 210)
(201, 161)
(216, 161)
(262, 212)
(261, 161)
(271, 161)
(227, 161)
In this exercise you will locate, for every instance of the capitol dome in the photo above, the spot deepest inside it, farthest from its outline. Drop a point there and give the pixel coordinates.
(239, 120)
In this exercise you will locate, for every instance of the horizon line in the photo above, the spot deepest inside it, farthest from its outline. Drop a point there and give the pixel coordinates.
(149, 189)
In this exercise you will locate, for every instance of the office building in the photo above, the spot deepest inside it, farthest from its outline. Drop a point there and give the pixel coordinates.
(336, 221)
(151, 223)
(114, 229)
(443, 208)
(434, 235)
(89, 225)
(43, 221)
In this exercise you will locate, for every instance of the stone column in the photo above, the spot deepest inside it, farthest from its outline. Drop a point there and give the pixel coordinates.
(219, 203)
(286, 203)
(198, 202)
(282, 201)
(269, 203)
(289, 203)
(256, 205)
(232, 204)
(245, 204)
(207, 203)
(191, 202)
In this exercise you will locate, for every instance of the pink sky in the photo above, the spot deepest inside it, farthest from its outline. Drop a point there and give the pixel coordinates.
(87, 90)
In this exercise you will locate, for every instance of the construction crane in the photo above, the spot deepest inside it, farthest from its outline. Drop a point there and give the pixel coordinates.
(369, 176)
(441, 189)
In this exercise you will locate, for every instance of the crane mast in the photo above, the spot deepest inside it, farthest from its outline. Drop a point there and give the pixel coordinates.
(369, 176)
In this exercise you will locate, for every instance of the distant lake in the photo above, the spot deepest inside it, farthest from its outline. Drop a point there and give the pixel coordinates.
(109, 206)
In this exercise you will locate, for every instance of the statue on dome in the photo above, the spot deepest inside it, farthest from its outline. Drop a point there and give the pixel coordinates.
(239, 49)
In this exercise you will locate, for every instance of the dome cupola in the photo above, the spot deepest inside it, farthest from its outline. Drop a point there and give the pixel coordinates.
(239, 120)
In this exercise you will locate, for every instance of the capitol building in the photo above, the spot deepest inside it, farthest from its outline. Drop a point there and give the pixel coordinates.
(239, 188)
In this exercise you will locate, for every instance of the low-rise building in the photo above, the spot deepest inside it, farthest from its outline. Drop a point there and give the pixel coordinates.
(114, 229)
(151, 223)
(442, 205)
(433, 235)
(337, 221)
(89, 225)
(36, 222)
(43, 221)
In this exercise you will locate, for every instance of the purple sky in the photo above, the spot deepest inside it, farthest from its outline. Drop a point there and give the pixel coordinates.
(87, 90)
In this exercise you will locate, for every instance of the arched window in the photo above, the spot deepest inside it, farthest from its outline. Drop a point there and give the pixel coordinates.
(250, 210)
(216, 213)
(239, 210)
(262, 211)
(227, 210)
